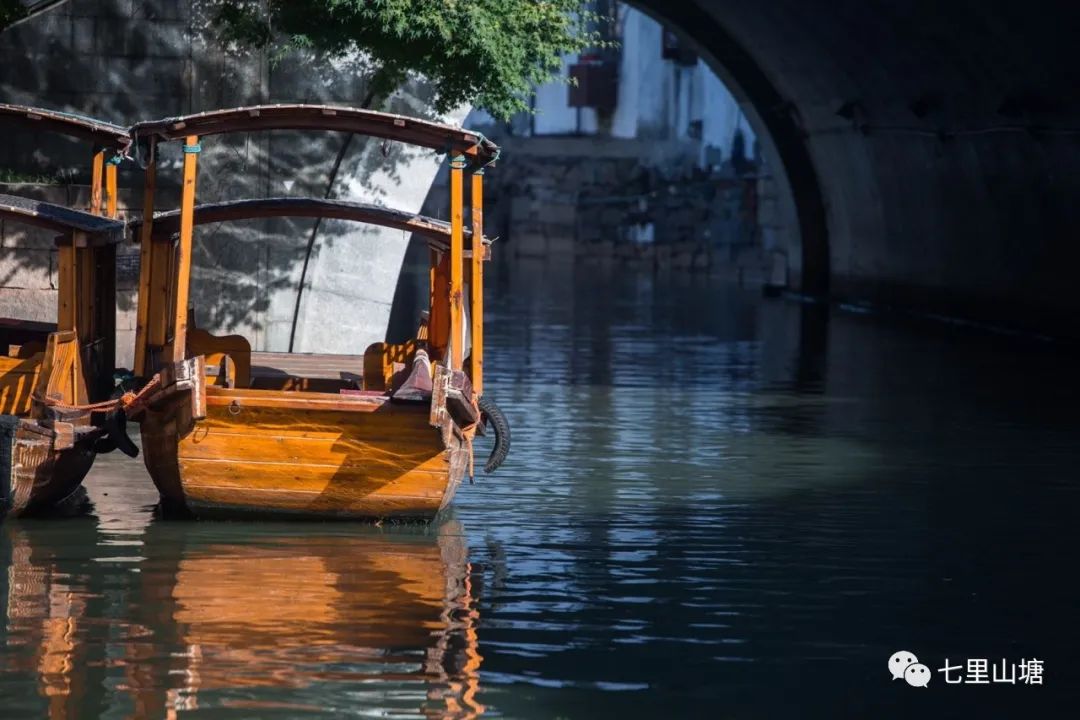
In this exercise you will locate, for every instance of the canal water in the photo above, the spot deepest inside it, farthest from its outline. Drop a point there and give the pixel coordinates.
(716, 505)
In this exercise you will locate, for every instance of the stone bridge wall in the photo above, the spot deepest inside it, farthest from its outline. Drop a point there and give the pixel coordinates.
(933, 148)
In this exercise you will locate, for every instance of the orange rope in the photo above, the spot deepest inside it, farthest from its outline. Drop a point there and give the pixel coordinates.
(131, 400)
(127, 401)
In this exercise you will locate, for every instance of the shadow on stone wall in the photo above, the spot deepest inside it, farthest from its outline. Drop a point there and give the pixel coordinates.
(121, 62)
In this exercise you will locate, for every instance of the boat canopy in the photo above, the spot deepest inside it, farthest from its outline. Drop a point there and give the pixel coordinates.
(97, 131)
(437, 232)
(95, 229)
(444, 138)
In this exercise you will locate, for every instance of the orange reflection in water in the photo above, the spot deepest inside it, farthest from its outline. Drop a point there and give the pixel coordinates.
(253, 616)
(295, 611)
(43, 605)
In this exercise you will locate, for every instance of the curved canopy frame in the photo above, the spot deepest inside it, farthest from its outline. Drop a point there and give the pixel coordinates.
(99, 132)
(436, 232)
(97, 230)
(444, 138)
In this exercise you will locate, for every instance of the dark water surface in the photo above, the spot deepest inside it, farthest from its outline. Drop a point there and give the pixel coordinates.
(716, 506)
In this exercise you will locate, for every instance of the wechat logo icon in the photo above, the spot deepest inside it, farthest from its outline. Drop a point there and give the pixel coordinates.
(903, 665)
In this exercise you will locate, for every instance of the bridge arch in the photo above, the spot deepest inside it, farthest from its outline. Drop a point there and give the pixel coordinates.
(931, 148)
(806, 239)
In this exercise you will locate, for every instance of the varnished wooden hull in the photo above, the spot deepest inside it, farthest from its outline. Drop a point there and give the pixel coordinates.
(49, 432)
(36, 473)
(301, 454)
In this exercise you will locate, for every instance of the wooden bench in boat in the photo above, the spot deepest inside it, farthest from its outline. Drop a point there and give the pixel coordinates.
(307, 372)
(307, 365)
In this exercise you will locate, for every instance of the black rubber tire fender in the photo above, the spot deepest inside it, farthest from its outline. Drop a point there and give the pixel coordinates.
(491, 413)
(116, 433)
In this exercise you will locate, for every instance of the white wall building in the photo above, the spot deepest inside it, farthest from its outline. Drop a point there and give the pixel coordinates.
(657, 98)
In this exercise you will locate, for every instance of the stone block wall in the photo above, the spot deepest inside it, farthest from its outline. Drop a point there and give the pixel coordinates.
(627, 201)
(28, 257)
(126, 60)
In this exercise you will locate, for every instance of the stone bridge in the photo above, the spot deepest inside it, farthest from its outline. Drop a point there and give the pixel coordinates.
(932, 148)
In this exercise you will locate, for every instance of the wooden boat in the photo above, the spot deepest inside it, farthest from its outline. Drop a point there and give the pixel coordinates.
(55, 381)
(229, 431)
(55, 394)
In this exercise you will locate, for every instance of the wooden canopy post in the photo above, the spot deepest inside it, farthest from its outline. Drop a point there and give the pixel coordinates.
(86, 261)
(101, 384)
(110, 188)
(69, 271)
(100, 295)
(146, 261)
(65, 283)
(439, 319)
(476, 284)
(457, 252)
(96, 176)
(182, 275)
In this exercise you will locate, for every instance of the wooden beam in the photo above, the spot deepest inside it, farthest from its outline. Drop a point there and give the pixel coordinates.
(101, 382)
(457, 250)
(320, 117)
(83, 271)
(71, 261)
(161, 288)
(437, 232)
(146, 258)
(433, 264)
(97, 171)
(476, 284)
(85, 311)
(110, 190)
(65, 287)
(182, 274)
(439, 320)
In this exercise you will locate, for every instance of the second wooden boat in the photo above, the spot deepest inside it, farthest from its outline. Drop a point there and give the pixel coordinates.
(56, 380)
(54, 392)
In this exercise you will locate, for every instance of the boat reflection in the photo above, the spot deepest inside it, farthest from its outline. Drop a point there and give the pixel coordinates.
(219, 614)
(47, 600)
(297, 606)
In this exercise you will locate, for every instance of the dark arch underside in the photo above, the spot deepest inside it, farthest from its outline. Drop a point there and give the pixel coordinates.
(933, 148)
